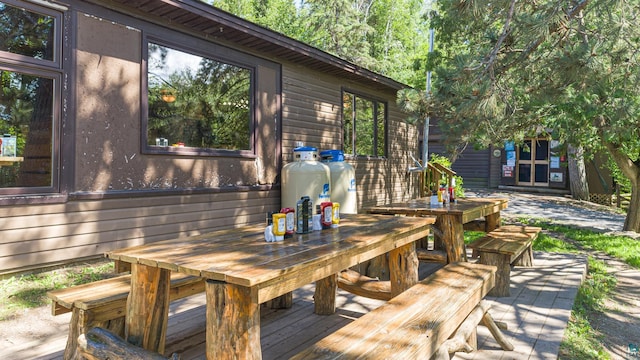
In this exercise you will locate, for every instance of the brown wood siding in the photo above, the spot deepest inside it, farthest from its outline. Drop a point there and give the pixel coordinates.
(312, 114)
(107, 156)
(472, 165)
(56, 233)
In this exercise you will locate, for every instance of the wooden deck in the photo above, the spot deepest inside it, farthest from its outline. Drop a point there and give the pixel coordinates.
(536, 312)
(286, 332)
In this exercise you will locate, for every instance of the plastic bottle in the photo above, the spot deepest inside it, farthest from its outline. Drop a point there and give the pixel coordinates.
(304, 215)
(326, 210)
(290, 220)
(335, 215)
(279, 226)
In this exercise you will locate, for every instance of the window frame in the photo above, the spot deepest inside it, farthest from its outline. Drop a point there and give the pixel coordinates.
(236, 60)
(51, 69)
(385, 122)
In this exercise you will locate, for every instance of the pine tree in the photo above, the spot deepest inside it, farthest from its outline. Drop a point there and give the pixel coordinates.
(509, 69)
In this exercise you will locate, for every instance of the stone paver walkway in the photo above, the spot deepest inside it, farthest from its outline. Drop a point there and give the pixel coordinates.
(538, 310)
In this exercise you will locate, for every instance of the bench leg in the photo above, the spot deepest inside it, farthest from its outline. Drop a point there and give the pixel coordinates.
(526, 258)
(81, 322)
(460, 341)
(488, 322)
(503, 275)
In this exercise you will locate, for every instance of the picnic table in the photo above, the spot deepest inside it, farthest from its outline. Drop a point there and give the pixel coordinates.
(242, 271)
(450, 219)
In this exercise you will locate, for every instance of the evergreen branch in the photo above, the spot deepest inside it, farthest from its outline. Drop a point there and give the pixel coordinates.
(491, 59)
(553, 29)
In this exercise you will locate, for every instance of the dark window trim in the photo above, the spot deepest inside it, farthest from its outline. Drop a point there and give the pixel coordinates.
(57, 37)
(51, 69)
(192, 151)
(376, 101)
(127, 194)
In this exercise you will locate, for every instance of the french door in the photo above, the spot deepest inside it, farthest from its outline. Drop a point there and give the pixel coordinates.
(533, 163)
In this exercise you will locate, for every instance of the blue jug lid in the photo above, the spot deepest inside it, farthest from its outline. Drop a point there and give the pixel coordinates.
(305, 148)
(332, 155)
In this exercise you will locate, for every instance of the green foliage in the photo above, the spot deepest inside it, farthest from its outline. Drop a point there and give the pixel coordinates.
(581, 340)
(548, 243)
(29, 291)
(386, 36)
(622, 247)
(444, 161)
(514, 69)
(471, 236)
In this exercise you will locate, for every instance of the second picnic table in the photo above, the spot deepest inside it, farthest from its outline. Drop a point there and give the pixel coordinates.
(449, 225)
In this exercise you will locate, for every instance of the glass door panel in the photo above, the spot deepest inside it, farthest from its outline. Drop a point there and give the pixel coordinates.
(533, 163)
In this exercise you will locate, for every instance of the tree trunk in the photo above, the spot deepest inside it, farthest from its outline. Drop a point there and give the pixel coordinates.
(631, 169)
(632, 221)
(577, 173)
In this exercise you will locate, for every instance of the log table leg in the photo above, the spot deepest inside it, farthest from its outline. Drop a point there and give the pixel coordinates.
(233, 322)
(503, 275)
(148, 307)
(324, 298)
(492, 222)
(403, 268)
(451, 233)
(281, 302)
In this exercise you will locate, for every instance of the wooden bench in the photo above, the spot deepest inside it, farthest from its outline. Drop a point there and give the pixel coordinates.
(437, 316)
(103, 304)
(505, 246)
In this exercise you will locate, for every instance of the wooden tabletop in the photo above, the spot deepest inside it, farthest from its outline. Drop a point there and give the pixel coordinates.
(468, 208)
(242, 256)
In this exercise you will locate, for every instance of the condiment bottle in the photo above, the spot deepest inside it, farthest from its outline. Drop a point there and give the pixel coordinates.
(290, 221)
(326, 210)
(335, 214)
(304, 215)
(279, 226)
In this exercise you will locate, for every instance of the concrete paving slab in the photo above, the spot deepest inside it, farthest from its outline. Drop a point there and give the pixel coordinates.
(538, 310)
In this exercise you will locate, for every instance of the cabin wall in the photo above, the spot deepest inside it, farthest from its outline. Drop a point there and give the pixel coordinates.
(116, 195)
(311, 111)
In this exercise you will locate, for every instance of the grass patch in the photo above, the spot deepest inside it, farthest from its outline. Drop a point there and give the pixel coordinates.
(470, 236)
(548, 243)
(580, 340)
(621, 247)
(29, 291)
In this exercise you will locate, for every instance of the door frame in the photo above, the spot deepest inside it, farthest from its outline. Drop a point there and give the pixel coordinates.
(533, 162)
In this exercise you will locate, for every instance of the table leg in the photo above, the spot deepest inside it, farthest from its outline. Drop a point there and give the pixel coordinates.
(148, 307)
(324, 298)
(492, 222)
(451, 233)
(403, 268)
(233, 322)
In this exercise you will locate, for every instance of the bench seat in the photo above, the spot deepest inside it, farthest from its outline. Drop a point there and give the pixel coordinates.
(103, 304)
(414, 324)
(505, 246)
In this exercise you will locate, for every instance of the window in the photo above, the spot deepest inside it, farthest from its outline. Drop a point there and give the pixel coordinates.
(364, 121)
(30, 74)
(197, 104)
